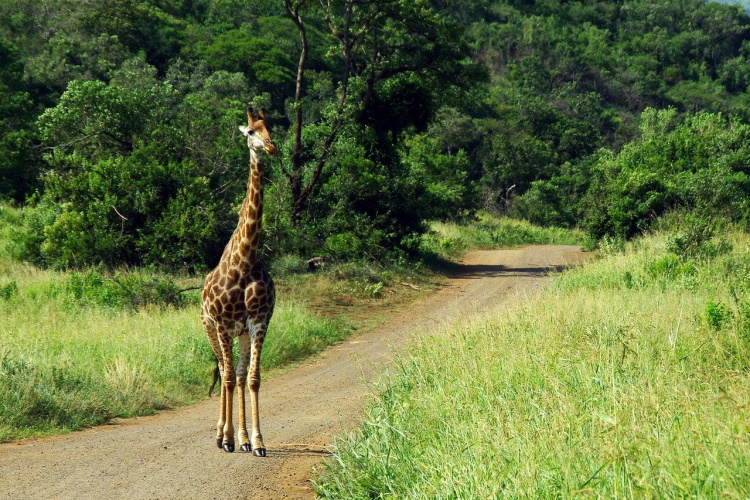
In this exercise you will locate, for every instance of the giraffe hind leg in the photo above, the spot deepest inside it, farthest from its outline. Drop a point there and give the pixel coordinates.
(258, 447)
(209, 325)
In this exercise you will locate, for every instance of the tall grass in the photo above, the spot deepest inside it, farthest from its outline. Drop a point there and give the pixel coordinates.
(629, 378)
(80, 348)
(449, 240)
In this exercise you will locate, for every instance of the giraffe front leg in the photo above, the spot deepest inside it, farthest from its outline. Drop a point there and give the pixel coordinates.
(222, 416)
(244, 341)
(213, 338)
(227, 430)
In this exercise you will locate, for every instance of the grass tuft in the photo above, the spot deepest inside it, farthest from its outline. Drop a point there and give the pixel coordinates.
(451, 241)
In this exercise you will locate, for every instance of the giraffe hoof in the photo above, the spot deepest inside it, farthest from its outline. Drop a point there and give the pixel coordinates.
(259, 452)
(228, 447)
(218, 443)
(245, 447)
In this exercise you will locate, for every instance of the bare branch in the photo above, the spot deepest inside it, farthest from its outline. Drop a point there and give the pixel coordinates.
(299, 203)
(74, 141)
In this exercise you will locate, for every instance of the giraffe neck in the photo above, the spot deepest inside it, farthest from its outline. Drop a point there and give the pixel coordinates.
(244, 242)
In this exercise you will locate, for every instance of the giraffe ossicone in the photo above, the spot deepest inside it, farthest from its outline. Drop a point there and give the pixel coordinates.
(238, 300)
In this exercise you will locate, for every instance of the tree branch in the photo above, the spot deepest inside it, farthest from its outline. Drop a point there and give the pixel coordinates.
(74, 141)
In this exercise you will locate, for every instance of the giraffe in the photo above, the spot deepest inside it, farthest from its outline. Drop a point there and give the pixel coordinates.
(238, 299)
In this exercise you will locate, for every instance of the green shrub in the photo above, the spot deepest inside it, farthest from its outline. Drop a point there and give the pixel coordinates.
(8, 290)
(122, 290)
(717, 314)
(289, 264)
(696, 163)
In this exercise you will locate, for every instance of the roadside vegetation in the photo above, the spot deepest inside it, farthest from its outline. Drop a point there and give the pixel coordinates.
(629, 377)
(451, 240)
(79, 348)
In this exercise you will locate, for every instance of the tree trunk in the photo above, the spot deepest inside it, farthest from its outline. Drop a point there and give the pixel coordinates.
(295, 176)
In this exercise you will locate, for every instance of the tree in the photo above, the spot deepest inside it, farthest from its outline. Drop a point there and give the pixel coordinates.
(378, 41)
(17, 157)
(265, 65)
(701, 165)
(135, 176)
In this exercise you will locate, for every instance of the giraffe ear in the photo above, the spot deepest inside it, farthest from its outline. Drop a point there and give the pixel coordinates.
(245, 130)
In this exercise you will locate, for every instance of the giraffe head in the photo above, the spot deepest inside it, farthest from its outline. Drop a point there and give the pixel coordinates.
(257, 134)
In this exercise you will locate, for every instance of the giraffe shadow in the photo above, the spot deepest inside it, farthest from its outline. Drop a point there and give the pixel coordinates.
(478, 271)
(289, 451)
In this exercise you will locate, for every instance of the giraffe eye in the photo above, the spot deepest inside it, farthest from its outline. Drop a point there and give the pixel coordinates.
(251, 132)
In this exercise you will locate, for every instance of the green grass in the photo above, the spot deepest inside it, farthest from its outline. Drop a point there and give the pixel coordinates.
(629, 378)
(80, 348)
(65, 366)
(450, 240)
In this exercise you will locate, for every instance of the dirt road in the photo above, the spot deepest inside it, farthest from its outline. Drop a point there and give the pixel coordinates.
(174, 455)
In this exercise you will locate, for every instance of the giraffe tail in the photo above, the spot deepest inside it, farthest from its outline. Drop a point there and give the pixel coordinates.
(217, 377)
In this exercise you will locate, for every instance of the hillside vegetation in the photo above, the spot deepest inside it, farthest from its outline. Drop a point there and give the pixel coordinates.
(628, 378)
(119, 120)
(745, 4)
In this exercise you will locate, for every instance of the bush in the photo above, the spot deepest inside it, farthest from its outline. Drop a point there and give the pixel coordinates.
(717, 314)
(134, 172)
(694, 239)
(698, 164)
(121, 290)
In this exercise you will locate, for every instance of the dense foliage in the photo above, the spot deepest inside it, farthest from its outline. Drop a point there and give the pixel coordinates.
(119, 119)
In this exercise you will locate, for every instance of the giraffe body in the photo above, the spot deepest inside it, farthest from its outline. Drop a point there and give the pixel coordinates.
(237, 302)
